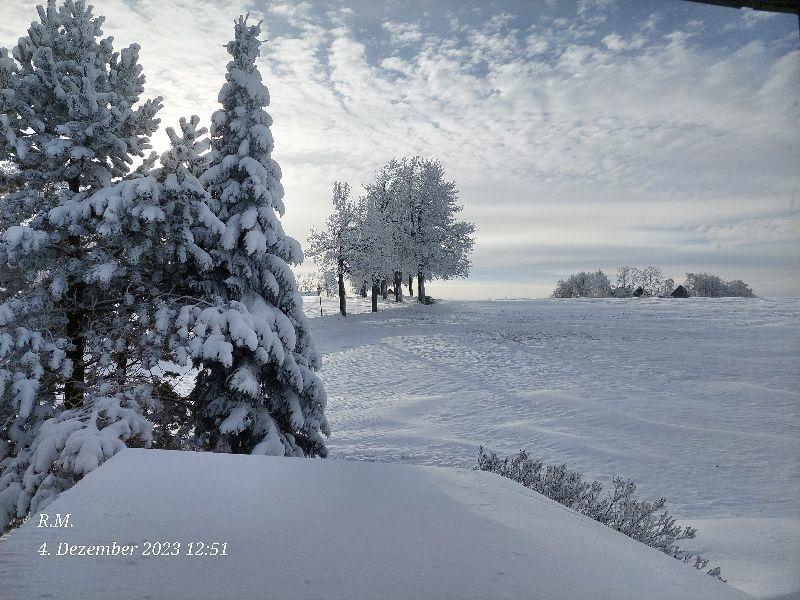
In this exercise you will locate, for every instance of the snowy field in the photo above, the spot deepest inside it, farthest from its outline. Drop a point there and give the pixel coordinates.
(364, 532)
(697, 400)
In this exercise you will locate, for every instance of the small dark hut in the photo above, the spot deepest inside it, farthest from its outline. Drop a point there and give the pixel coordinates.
(680, 292)
(638, 292)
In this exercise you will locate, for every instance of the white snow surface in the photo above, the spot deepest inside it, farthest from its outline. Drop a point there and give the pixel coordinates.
(331, 529)
(697, 400)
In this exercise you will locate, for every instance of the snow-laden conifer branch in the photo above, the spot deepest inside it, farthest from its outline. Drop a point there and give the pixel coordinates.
(257, 389)
(111, 279)
(71, 122)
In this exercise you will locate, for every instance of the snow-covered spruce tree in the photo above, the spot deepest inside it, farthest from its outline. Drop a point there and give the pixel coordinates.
(333, 246)
(71, 122)
(8, 181)
(260, 395)
(156, 226)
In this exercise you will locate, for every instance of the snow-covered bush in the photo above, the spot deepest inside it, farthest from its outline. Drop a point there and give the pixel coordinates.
(713, 286)
(646, 522)
(583, 285)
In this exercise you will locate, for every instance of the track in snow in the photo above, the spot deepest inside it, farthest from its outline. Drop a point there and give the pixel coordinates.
(694, 399)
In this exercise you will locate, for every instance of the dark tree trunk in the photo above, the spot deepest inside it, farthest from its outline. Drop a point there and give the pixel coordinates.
(76, 323)
(342, 298)
(76, 319)
(420, 287)
(411, 285)
(375, 291)
(122, 366)
(398, 286)
(384, 289)
(364, 290)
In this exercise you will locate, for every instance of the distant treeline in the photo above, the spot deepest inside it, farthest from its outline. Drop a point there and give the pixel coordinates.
(632, 281)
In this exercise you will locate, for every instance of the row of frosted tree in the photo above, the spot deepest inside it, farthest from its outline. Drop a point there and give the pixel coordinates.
(649, 281)
(404, 225)
(112, 280)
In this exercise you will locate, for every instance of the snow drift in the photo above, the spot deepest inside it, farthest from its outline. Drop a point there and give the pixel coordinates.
(330, 529)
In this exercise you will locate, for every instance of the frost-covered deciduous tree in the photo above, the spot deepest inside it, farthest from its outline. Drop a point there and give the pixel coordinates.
(390, 195)
(435, 243)
(583, 285)
(652, 280)
(667, 287)
(739, 289)
(334, 246)
(318, 281)
(636, 277)
(625, 281)
(373, 250)
(713, 286)
(257, 389)
(71, 122)
(406, 222)
(649, 281)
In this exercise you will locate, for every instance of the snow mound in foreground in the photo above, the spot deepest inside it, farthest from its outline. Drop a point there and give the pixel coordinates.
(301, 528)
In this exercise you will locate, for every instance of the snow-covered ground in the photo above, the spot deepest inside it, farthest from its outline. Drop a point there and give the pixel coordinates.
(697, 400)
(329, 306)
(694, 399)
(332, 530)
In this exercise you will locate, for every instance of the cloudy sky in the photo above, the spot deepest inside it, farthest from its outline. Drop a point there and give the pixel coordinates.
(581, 134)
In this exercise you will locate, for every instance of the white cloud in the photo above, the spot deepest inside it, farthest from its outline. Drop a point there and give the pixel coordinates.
(616, 43)
(585, 6)
(403, 34)
(536, 44)
(595, 12)
(396, 64)
(750, 18)
(558, 141)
